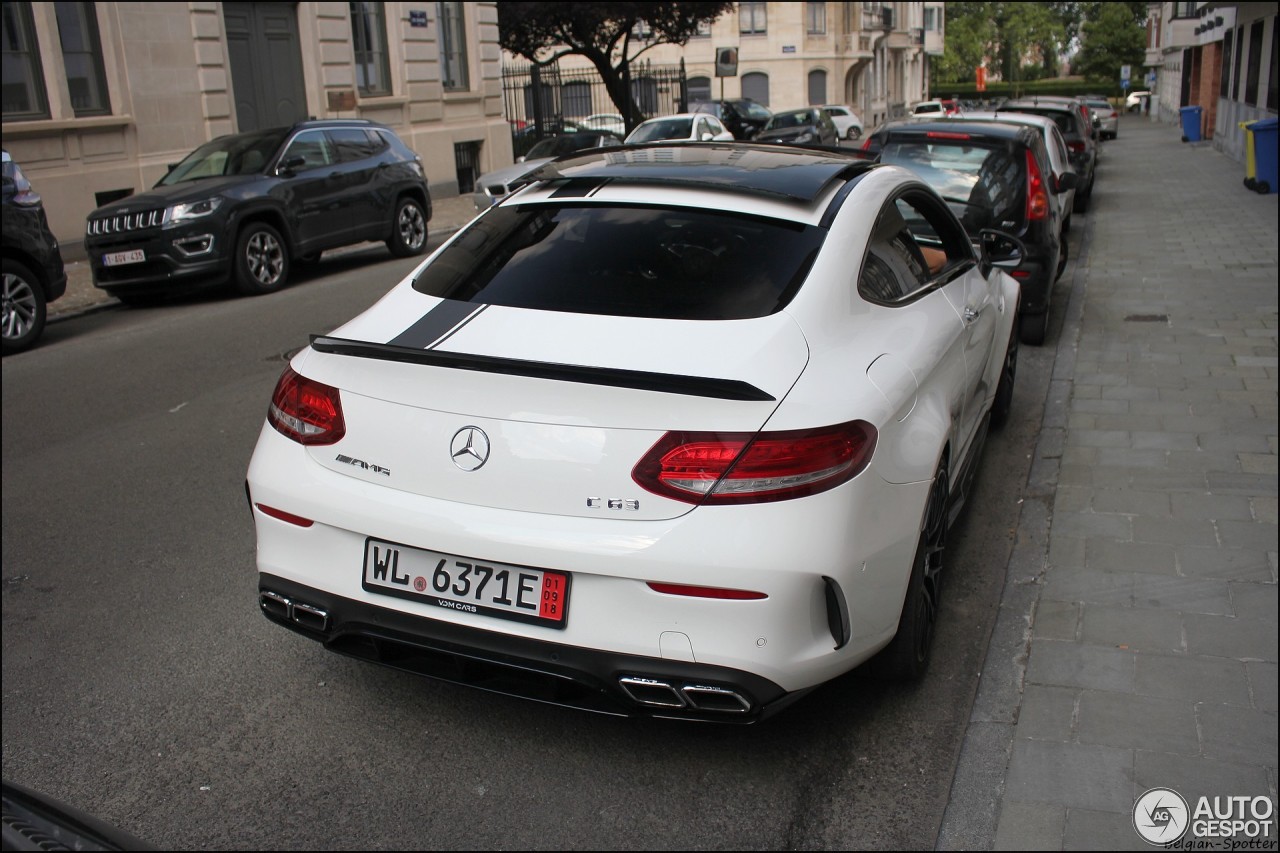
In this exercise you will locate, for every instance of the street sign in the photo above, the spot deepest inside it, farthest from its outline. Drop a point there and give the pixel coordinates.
(1124, 75)
(980, 76)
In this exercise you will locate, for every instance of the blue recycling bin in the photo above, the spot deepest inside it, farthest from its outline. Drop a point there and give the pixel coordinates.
(1191, 123)
(1265, 155)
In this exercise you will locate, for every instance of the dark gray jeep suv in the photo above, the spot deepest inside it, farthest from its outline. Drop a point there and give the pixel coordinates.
(245, 207)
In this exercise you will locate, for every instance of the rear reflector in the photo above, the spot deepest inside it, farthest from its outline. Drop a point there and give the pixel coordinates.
(706, 591)
(284, 516)
(306, 411)
(733, 468)
(1020, 273)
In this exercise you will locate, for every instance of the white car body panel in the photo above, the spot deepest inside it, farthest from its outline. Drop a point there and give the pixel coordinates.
(918, 372)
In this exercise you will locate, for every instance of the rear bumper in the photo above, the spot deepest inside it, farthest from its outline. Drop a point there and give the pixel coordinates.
(558, 674)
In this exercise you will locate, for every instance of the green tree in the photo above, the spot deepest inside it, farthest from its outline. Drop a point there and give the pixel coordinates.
(1005, 36)
(604, 33)
(1112, 36)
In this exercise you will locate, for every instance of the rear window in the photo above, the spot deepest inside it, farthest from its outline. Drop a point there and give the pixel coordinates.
(1065, 121)
(983, 185)
(664, 263)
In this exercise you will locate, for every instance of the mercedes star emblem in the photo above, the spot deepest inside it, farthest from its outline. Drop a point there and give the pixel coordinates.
(469, 448)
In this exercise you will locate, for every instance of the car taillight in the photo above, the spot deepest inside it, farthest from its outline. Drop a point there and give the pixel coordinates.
(1037, 194)
(306, 411)
(735, 468)
(1076, 146)
(866, 146)
(946, 134)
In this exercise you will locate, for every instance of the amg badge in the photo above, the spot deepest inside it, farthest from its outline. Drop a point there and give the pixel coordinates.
(360, 463)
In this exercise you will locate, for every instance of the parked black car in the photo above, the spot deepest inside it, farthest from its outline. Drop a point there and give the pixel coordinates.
(742, 116)
(993, 176)
(808, 126)
(33, 271)
(244, 207)
(1073, 118)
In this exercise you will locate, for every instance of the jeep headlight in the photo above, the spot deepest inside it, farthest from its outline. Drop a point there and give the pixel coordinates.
(176, 214)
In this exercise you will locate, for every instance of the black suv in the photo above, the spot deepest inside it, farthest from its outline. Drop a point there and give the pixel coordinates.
(742, 116)
(993, 176)
(33, 271)
(1073, 118)
(243, 207)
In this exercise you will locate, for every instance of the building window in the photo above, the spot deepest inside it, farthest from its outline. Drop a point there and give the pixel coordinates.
(82, 58)
(1226, 64)
(704, 30)
(815, 18)
(453, 47)
(699, 89)
(1235, 86)
(23, 84)
(1255, 64)
(1184, 10)
(817, 87)
(930, 18)
(575, 97)
(756, 87)
(369, 34)
(751, 18)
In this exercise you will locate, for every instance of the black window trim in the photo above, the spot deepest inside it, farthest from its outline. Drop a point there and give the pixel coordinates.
(948, 274)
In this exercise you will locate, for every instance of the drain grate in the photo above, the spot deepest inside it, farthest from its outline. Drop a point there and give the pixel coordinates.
(1147, 318)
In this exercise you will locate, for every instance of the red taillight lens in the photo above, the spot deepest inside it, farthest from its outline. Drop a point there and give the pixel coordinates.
(306, 411)
(733, 468)
(1076, 146)
(1037, 194)
(866, 146)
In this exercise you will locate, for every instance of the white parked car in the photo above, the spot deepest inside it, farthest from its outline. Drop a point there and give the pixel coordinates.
(611, 122)
(692, 127)
(1136, 101)
(494, 186)
(847, 122)
(675, 430)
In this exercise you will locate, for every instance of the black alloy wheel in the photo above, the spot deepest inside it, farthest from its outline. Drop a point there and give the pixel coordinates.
(907, 655)
(408, 230)
(24, 307)
(261, 261)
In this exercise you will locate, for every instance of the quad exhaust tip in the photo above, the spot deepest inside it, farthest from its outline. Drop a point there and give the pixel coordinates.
(654, 693)
(282, 607)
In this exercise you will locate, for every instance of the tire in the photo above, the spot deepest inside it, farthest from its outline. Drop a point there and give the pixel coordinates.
(1033, 328)
(262, 260)
(408, 229)
(908, 653)
(1080, 203)
(853, 133)
(24, 307)
(1062, 257)
(1003, 403)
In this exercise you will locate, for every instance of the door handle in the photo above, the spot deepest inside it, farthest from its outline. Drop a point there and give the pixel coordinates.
(971, 315)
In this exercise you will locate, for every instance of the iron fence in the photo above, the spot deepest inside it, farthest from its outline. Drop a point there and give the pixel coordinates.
(543, 100)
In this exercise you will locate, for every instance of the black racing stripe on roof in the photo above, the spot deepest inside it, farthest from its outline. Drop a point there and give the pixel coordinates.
(666, 383)
(433, 326)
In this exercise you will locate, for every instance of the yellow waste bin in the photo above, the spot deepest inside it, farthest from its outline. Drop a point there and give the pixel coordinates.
(1250, 155)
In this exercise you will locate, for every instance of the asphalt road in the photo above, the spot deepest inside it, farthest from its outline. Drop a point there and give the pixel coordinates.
(141, 684)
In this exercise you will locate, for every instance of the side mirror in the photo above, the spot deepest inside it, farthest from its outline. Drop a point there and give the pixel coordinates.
(706, 137)
(288, 166)
(1067, 181)
(520, 159)
(999, 249)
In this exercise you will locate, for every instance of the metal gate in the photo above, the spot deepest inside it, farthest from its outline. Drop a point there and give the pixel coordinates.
(543, 100)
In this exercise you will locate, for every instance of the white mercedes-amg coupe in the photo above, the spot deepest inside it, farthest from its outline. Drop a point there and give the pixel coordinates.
(675, 430)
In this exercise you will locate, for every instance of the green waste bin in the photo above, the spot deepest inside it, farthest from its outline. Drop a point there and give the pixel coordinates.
(1250, 157)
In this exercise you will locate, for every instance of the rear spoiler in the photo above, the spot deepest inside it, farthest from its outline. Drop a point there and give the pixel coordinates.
(665, 383)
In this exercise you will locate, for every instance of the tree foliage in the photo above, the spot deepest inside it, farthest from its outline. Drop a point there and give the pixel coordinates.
(1011, 38)
(604, 33)
(1111, 37)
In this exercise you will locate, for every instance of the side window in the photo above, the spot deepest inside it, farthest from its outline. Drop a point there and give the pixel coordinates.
(914, 243)
(314, 149)
(350, 143)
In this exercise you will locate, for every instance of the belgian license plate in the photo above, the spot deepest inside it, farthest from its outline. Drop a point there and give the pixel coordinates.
(536, 596)
(116, 259)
